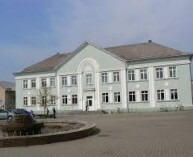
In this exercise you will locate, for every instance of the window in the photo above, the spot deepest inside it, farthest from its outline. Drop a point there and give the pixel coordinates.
(143, 74)
(64, 81)
(172, 71)
(74, 99)
(88, 79)
(73, 80)
(159, 73)
(52, 82)
(117, 97)
(160, 95)
(64, 99)
(33, 101)
(44, 100)
(25, 101)
(53, 100)
(116, 77)
(105, 98)
(33, 83)
(144, 95)
(25, 84)
(104, 78)
(132, 96)
(174, 94)
(44, 83)
(131, 75)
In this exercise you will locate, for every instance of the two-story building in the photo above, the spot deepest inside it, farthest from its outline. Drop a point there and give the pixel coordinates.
(139, 76)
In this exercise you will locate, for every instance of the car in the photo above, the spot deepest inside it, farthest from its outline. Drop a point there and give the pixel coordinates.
(4, 114)
(23, 111)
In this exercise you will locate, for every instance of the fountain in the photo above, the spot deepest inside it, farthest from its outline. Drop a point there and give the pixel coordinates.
(21, 125)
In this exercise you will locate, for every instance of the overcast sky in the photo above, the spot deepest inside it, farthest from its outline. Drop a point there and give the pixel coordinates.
(32, 30)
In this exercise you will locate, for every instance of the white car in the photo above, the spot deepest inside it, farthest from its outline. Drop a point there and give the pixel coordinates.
(4, 114)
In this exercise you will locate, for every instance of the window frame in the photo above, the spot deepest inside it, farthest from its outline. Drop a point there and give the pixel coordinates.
(116, 76)
(25, 101)
(52, 83)
(88, 80)
(25, 84)
(117, 97)
(64, 99)
(144, 96)
(104, 77)
(74, 99)
(33, 101)
(73, 80)
(172, 72)
(33, 83)
(159, 73)
(161, 95)
(105, 97)
(143, 74)
(131, 75)
(64, 81)
(44, 82)
(132, 96)
(53, 100)
(174, 94)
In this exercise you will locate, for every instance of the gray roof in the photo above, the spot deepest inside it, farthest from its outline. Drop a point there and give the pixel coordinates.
(149, 50)
(7, 85)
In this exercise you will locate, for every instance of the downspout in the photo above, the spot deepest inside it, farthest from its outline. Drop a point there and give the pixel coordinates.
(126, 86)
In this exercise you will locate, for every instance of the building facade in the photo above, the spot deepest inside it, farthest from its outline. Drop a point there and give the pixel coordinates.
(130, 77)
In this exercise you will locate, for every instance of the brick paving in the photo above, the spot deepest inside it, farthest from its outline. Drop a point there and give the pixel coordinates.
(125, 135)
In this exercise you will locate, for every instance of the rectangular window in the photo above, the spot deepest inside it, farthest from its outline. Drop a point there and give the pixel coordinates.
(74, 99)
(159, 73)
(132, 97)
(64, 99)
(25, 101)
(53, 100)
(117, 97)
(131, 75)
(33, 101)
(105, 98)
(144, 95)
(52, 82)
(73, 81)
(160, 95)
(172, 71)
(44, 101)
(88, 79)
(64, 81)
(104, 77)
(116, 77)
(174, 94)
(44, 82)
(143, 74)
(25, 84)
(33, 83)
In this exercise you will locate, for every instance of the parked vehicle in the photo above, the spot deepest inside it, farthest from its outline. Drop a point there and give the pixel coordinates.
(4, 114)
(23, 111)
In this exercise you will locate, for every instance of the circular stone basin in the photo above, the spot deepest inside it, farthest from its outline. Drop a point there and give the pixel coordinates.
(21, 125)
(53, 131)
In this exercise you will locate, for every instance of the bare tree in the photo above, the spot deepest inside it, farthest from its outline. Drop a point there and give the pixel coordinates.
(45, 97)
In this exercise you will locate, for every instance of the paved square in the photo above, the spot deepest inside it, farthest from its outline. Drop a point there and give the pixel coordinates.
(126, 135)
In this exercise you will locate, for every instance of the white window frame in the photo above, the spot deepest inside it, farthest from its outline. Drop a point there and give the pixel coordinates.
(52, 82)
(143, 74)
(74, 99)
(131, 75)
(33, 101)
(144, 96)
(105, 97)
(33, 83)
(65, 99)
(132, 96)
(25, 84)
(88, 79)
(117, 97)
(172, 71)
(104, 77)
(53, 100)
(73, 80)
(159, 73)
(116, 76)
(43, 82)
(161, 95)
(174, 94)
(64, 81)
(25, 101)
(44, 101)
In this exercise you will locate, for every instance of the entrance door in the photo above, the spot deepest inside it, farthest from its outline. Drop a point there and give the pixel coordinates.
(89, 101)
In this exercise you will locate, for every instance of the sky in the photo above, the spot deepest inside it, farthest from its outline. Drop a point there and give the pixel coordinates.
(32, 30)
